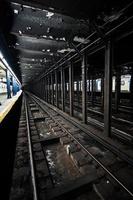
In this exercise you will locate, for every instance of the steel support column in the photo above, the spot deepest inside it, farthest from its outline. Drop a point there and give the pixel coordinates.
(78, 92)
(131, 87)
(56, 89)
(49, 91)
(108, 89)
(46, 89)
(80, 87)
(117, 90)
(52, 90)
(102, 91)
(14, 87)
(89, 86)
(63, 89)
(41, 88)
(8, 84)
(92, 91)
(71, 88)
(84, 88)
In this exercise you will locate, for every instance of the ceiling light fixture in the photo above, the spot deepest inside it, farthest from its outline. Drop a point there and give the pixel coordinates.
(49, 14)
(15, 11)
(8, 67)
(20, 32)
(28, 27)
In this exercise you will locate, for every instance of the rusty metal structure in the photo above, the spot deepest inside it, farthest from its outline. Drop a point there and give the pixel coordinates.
(75, 56)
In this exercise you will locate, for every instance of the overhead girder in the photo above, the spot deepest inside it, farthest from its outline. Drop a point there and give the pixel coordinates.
(42, 34)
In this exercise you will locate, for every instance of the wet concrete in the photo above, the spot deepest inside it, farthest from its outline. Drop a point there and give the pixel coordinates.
(61, 166)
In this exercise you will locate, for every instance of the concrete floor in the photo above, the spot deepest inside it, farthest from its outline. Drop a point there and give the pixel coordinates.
(3, 98)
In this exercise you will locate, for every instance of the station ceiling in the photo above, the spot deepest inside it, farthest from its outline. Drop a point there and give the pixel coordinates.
(42, 32)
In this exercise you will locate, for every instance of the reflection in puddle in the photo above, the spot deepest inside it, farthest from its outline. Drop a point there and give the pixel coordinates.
(44, 135)
(60, 164)
(49, 158)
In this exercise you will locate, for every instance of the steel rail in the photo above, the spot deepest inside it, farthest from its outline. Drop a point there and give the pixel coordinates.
(84, 128)
(85, 149)
(121, 120)
(35, 195)
(115, 131)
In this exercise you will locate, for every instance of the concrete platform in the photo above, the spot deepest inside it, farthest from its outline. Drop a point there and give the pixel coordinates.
(7, 105)
(3, 98)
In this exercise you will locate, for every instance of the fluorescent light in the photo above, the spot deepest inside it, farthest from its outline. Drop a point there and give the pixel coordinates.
(81, 40)
(66, 50)
(7, 66)
(20, 32)
(5, 62)
(28, 28)
(15, 11)
(49, 14)
(1, 55)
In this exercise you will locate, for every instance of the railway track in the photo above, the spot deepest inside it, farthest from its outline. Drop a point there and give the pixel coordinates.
(122, 108)
(108, 166)
(31, 174)
(123, 131)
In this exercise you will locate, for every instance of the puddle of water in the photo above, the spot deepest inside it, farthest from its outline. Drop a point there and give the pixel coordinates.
(61, 166)
(44, 135)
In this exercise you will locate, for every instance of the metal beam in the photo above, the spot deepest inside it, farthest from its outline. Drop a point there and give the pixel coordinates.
(43, 88)
(102, 91)
(76, 49)
(61, 61)
(63, 89)
(46, 89)
(131, 87)
(92, 91)
(78, 92)
(52, 90)
(56, 89)
(71, 88)
(108, 89)
(84, 88)
(117, 90)
(49, 88)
